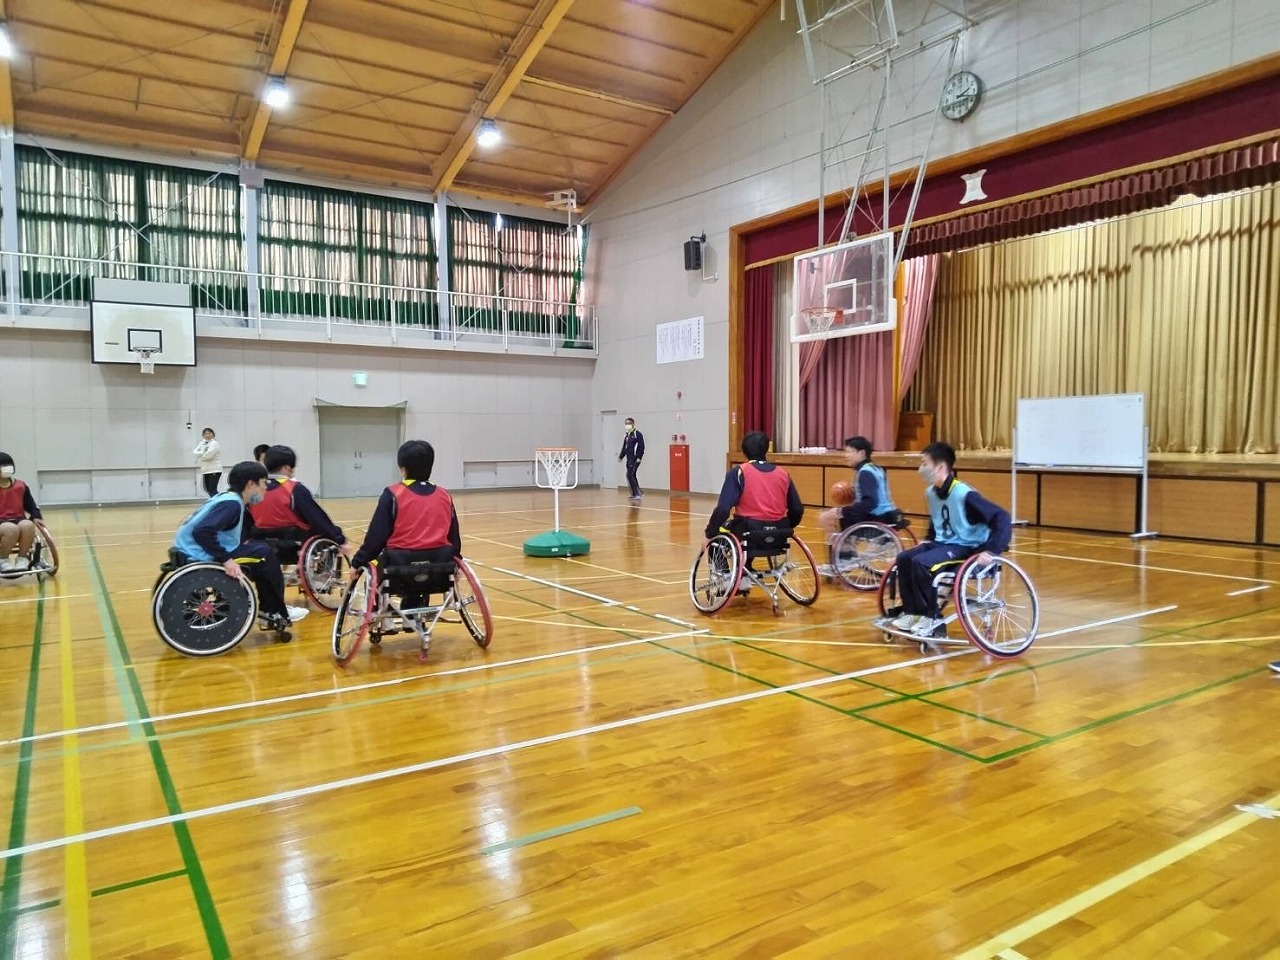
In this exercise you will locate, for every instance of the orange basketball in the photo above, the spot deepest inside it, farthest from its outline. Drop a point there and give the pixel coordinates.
(841, 493)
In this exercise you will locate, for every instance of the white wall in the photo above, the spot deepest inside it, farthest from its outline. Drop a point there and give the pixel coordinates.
(98, 433)
(746, 145)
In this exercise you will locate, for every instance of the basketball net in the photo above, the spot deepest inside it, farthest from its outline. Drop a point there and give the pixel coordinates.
(145, 363)
(556, 463)
(821, 319)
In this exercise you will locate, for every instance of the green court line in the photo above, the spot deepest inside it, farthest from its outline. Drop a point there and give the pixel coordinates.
(37, 907)
(142, 881)
(1123, 715)
(114, 653)
(559, 831)
(21, 793)
(214, 934)
(944, 706)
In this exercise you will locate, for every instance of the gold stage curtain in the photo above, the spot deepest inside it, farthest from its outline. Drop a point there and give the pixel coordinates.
(1181, 304)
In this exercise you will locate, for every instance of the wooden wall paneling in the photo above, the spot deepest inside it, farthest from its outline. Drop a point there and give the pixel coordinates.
(1271, 513)
(1195, 508)
(809, 484)
(1088, 501)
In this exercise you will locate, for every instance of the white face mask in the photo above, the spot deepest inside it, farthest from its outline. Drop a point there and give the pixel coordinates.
(6, 471)
(631, 428)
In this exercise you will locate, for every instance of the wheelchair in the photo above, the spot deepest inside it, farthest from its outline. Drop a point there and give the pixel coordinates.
(42, 558)
(863, 552)
(201, 612)
(315, 565)
(394, 597)
(995, 602)
(721, 567)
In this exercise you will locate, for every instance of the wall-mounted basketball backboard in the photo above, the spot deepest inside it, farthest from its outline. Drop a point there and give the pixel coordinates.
(845, 290)
(150, 324)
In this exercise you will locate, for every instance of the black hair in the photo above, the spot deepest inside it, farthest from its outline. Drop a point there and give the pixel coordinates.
(277, 457)
(417, 457)
(259, 450)
(244, 473)
(755, 445)
(208, 430)
(6, 460)
(940, 452)
(859, 443)
(629, 420)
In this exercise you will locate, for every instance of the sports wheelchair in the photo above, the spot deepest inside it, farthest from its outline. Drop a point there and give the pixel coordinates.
(721, 566)
(315, 565)
(393, 596)
(200, 611)
(860, 554)
(995, 602)
(42, 558)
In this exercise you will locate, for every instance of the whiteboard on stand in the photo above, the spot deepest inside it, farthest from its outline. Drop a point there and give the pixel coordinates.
(1107, 431)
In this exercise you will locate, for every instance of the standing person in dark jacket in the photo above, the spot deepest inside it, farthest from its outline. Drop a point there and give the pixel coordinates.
(633, 452)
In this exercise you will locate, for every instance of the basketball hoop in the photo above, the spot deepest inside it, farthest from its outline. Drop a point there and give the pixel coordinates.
(556, 469)
(821, 319)
(145, 363)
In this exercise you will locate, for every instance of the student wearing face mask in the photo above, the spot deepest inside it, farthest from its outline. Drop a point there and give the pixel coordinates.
(962, 523)
(213, 535)
(18, 513)
(288, 511)
(633, 452)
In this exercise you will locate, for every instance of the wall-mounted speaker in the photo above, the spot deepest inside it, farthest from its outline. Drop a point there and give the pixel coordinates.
(693, 253)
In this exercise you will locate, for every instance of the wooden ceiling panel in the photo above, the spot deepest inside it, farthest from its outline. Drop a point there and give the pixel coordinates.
(382, 90)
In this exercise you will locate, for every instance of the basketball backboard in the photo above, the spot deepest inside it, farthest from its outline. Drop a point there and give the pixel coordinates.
(135, 321)
(845, 290)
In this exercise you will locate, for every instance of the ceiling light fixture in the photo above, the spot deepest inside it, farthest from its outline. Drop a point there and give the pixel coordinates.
(6, 44)
(488, 134)
(276, 94)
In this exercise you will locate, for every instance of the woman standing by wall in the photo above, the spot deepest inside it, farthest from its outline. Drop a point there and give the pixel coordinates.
(208, 453)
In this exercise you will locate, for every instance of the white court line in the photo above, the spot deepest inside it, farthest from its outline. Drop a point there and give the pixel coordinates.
(1110, 887)
(1103, 623)
(506, 748)
(1261, 586)
(72, 596)
(1142, 566)
(590, 596)
(334, 691)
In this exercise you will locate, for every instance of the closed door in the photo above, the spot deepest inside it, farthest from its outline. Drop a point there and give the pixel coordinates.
(609, 470)
(358, 450)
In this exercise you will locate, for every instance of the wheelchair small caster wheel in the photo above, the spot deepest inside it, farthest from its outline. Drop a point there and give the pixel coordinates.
(375, 639)
(925, 648)
(284, 636)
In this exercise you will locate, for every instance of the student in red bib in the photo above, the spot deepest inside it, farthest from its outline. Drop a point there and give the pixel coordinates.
(288, 511)
(755, 490)
(18, 513)
(414, 519)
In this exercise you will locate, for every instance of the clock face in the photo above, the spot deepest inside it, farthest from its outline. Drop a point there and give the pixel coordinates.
(960, 95)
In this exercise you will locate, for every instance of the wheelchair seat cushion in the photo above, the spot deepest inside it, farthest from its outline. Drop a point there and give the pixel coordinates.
(418, 571)
(764, 538)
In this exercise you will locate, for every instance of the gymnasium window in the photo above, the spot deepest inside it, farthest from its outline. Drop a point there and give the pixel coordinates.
(141, 221)
(529, 271)
(352, 257)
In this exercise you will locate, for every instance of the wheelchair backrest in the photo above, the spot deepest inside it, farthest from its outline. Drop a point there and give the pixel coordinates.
(410, 570)
(763, 538)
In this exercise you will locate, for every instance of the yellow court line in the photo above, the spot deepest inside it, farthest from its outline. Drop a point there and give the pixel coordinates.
(579, 626)
(1111, 886)
(621, 573)
(1143, 566)
(75, 871)
(821, 643)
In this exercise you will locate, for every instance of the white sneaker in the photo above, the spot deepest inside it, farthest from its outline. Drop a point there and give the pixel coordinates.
(22, 563)
(297, 613)
(6, 566)
(926, 628)
(907, 621)
(826, 570)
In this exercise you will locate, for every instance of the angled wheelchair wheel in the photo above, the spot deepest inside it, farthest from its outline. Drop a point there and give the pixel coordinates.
(355, 615)
(45, 555)
(997, 606)
(887, 598)
(322, 572)
(713, 580)
(799, 576)
(473, 606)
(863, 552)
(201, 612)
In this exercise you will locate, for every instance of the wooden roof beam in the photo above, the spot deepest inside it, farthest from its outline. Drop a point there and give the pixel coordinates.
(599, 95)
(527, 45)
(289, 31)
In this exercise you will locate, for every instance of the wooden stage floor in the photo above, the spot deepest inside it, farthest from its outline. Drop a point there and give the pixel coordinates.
(619, 777)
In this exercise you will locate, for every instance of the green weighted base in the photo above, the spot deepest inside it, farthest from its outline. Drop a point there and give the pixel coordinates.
(556, 543)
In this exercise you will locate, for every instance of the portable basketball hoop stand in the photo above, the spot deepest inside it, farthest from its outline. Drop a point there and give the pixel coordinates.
(555, 463)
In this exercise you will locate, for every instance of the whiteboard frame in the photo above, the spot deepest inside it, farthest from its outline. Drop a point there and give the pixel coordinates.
(1143, 532)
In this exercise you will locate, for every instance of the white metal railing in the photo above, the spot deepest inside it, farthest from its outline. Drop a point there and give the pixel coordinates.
(36, 282)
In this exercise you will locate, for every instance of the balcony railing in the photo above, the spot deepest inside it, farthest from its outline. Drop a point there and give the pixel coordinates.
(56, 285)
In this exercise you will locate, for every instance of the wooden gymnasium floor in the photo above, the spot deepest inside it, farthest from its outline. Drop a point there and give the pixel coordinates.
(618, 777)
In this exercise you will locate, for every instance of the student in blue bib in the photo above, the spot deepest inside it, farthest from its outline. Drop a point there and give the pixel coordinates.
(213, 534)
(871, 491)
(962, 523)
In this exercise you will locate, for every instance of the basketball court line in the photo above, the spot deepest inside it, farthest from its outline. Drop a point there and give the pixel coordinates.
(75, 883)
(298, 793)
(1261, 586)
(354, 688)
(1110, 887)
(1103, 623)
(1146, 566)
